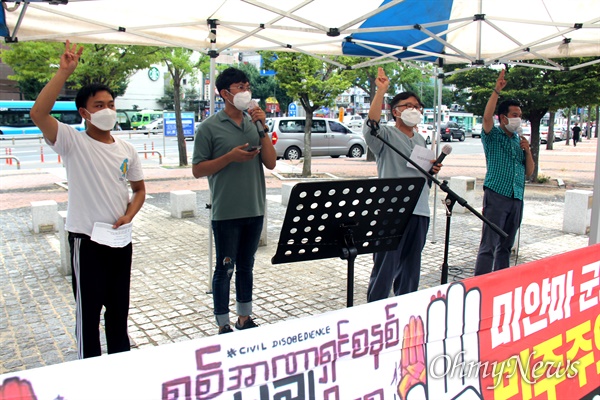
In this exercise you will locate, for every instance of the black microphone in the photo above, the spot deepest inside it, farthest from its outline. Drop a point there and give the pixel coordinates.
(259, 125)
(447, 149)
(374, 125)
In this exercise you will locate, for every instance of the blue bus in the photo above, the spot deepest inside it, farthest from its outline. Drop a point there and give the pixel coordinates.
(15, 118)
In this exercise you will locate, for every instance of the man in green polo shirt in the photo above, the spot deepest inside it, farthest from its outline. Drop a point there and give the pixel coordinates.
(509, 161)
(231, 151)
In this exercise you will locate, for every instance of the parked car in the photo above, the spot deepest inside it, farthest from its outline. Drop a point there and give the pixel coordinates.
(329, 137)
(427, 131)
(543, 134)
(558, 134)
(525, 131)
(452, 130)
(155, 126)
(353, 121)
(476, 132)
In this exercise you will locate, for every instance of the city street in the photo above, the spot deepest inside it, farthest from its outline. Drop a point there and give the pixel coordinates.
(565, 162)
(34, 153)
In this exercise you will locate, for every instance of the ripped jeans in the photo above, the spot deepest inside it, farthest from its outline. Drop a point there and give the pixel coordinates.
(236, 242)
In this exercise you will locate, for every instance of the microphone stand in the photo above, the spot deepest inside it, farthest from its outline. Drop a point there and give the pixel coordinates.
(449, 201)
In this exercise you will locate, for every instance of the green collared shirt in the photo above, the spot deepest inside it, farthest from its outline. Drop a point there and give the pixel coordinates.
(238, 190)
(505, 163)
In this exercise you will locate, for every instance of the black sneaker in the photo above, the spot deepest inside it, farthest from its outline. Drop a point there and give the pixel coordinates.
(225, 329)
(247, 325)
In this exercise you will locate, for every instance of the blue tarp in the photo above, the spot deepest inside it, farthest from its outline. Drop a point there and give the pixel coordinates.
(407, 13)
(3, 28)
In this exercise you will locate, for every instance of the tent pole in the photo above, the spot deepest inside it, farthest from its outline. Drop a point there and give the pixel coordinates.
(434, 147)
(436, 143)
(594, 236)
(478, 34)
(211, 96)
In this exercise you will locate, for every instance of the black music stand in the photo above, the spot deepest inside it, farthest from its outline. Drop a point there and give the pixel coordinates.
(346, 218)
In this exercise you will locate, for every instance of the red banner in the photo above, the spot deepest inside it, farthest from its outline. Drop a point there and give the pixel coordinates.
(528, 332)
(540, 324)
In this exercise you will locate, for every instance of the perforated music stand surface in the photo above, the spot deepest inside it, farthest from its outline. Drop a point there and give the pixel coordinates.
(346, 218)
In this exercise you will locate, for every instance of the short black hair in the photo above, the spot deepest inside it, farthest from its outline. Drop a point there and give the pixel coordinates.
(403, 96)
(505, 105)
(230, 76)
(88, 91)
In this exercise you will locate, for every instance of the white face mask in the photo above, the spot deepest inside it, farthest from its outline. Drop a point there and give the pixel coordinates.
(104, 120)
(411, 117)
(513, 124)
(242, 100)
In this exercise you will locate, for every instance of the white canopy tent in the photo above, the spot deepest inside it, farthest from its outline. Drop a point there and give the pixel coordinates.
(464, 31)
(476, 32)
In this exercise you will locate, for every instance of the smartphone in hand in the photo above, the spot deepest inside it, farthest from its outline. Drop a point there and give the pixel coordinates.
(252, 148)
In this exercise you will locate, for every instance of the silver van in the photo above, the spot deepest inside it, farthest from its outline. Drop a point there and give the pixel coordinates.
(329, 137)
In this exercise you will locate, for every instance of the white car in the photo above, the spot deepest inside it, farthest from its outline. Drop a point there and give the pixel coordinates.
(558, 134)
(154, 126)
(476, 131)
(426, 131)
(353, 121)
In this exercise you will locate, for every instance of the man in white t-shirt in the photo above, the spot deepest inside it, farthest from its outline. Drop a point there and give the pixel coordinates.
(99, 168)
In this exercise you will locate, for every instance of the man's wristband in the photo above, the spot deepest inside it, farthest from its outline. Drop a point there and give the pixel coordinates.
(497, 92)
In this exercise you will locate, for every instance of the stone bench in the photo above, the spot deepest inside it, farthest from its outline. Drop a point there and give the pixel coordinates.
(183, 204)
(578, 211)
(286, 190)
(65, 249)
(44, 216)
(464, 186)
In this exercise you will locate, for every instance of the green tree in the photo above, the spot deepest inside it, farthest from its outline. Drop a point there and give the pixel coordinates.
(402, 77)
(543, 90)
(111, 65)
(261, 88)
(29, 88)
(264, 87)
(538, 90)
(181, 63)
(426, 91)
(31, 63)
(189, 103)
(474, 87)
(313, 81)
(572, 89)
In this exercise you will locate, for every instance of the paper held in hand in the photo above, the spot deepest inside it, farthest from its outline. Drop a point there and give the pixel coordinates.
(422, 156)
(105, 234)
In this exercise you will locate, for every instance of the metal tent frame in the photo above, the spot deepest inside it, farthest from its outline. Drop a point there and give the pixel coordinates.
(476, 32)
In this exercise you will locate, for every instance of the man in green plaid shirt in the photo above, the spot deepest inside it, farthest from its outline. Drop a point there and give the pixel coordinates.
(509, 161)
